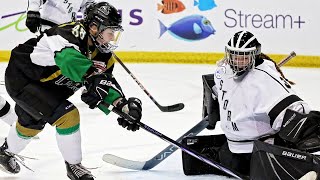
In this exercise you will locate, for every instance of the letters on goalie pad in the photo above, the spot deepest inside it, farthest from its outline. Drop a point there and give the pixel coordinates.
(209, 147)
(270, 162)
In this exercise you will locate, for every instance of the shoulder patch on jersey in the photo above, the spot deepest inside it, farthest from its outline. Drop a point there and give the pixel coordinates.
(220, 70)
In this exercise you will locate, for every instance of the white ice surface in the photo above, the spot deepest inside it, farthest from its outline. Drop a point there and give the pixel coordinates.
(168, 84)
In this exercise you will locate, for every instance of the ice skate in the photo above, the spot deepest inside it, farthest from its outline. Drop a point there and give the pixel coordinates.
(8, 162)
(78, 172)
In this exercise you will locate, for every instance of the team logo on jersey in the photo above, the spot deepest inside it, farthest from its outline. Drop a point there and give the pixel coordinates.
(220, 70)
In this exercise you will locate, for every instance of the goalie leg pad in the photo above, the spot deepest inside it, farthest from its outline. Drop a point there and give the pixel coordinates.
(275, 162)
(206, 145)
(237, 162)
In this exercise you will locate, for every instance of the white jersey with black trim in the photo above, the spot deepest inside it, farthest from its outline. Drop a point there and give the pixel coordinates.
(253, 105)
(58, 11)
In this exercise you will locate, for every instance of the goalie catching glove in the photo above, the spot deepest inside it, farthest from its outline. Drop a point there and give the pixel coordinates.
(132, 107)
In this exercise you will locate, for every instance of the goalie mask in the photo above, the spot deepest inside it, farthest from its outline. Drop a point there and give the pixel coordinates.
(241, 52)
(108, 22)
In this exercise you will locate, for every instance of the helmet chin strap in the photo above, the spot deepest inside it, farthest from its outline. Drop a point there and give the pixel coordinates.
(98, 45)
(94, 39)
(107, 47)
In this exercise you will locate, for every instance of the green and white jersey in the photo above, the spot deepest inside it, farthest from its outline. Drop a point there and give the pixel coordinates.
(59, 59)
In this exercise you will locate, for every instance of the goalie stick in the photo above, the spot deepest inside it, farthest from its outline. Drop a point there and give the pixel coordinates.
(146, 165)
(166, 152)
(171, 108)
(285, 60)
(174, 143)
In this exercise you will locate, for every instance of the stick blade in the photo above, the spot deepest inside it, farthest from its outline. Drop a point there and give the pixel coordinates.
(172, 108)
(121, 162)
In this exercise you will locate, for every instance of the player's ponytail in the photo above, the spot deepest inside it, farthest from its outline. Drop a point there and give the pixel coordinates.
(264, 56)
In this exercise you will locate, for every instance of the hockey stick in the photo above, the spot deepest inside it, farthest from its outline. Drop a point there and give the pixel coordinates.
(166, 152)
(171, 108)
(146, 165)
(174, 143)
(285, 60)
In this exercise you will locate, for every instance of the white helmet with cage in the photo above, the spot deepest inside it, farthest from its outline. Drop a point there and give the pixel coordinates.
(241, 52)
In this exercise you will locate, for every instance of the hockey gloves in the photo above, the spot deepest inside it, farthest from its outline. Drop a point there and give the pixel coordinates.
(97, 89)
(33, 21)
(132, 107)
(301, 130)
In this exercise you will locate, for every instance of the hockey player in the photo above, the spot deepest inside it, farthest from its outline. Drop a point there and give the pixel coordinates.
(254, 101)
(45, 71)
(44, 14)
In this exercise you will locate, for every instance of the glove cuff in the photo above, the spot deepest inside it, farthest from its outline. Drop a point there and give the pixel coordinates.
(136, 101)
(33, 14)
(122, 104)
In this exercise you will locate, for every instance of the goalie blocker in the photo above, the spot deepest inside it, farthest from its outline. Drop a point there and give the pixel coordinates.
(210, 105)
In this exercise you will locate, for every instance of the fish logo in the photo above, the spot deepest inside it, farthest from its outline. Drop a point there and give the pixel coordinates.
(189, 28)
(171, 6)
(204, 5)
